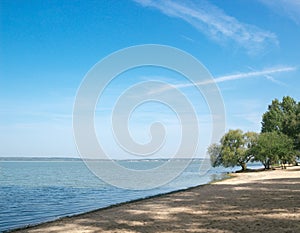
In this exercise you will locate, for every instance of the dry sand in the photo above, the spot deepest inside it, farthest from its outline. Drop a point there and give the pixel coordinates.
(250, 202)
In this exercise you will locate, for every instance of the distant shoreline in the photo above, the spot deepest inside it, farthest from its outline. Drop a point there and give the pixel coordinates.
(80, 159)
(20, 158)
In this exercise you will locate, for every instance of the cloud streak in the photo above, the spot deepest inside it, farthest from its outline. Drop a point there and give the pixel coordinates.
(215, 23)
(264, 73)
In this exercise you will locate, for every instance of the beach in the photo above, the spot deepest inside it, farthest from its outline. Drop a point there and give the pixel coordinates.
(265, 201)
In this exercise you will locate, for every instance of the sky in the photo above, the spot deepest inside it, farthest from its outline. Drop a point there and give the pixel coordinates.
(250, 47)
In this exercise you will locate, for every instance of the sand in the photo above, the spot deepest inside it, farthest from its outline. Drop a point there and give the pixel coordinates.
(266, 201)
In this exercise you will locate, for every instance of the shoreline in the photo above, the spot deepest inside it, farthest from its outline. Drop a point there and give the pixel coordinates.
(226, 176)
(147, 214)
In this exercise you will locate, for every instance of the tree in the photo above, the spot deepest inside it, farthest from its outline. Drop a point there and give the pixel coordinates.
(250, 139)
(272, 119)
(233, 149)
(273, 147)
(214, 151)
(283, 117)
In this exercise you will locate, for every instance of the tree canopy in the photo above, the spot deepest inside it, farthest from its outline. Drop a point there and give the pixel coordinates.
(273, 147)
(233, 149)
(283, 117)
(278, 142)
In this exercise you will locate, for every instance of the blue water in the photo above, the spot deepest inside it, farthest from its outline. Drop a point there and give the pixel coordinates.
(32, 192)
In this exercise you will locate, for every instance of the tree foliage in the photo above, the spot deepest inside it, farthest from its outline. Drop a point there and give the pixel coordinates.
(283, 117)
(214, 151)
(233, 149)
(273, 147)
(279, 141)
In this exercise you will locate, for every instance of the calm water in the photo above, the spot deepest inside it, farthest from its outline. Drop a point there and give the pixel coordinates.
(37, 191)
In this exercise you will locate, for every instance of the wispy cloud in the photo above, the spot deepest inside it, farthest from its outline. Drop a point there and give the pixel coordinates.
(265, 72)
(275, 81)
(288, 8)
(225, 78)
(215, 23)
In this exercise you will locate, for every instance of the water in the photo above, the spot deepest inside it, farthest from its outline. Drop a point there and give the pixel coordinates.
(37, 191)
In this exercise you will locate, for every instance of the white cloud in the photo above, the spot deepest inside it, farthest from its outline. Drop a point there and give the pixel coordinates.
(215, 23)
(288, 8)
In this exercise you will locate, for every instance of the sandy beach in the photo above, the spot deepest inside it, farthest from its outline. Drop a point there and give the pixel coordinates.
(267, 201)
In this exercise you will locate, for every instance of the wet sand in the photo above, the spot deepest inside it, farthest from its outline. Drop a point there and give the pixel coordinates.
(267, 201)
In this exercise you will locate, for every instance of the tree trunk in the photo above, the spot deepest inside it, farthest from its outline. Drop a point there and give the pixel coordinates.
(244, 166)
(267, 165)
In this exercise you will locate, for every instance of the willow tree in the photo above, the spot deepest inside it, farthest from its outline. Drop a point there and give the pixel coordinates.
(233, 150)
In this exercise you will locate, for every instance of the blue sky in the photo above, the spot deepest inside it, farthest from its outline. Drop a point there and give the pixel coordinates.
(250, 47)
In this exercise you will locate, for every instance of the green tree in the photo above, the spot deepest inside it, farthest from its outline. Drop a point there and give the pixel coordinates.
(283, 117)
(214, 151)
(273, 147)
(272, 119)
(250, 139)
(233, 149)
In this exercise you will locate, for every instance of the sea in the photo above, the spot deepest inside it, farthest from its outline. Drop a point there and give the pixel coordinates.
(35, 190)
